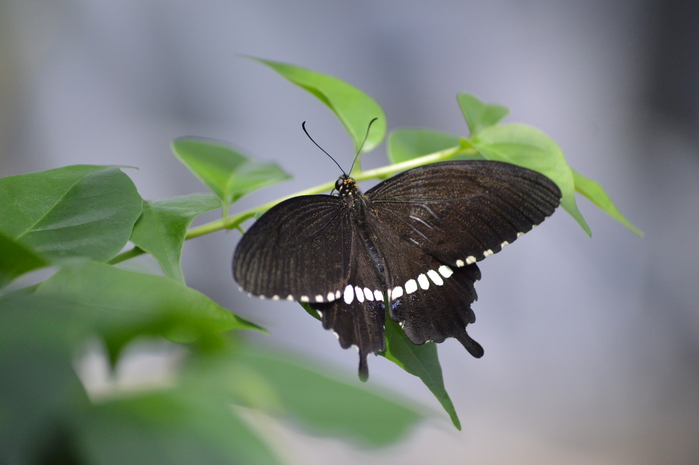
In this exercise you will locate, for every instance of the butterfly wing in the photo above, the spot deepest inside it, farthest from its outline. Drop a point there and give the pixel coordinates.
(460, 212)
(358, 317)
(430, 300)
(415, 241)
(309, 249)
(435, 222)
(298, 250)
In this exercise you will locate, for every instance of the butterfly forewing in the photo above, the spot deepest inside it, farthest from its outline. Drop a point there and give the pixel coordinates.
(461, 212)
(300, 249)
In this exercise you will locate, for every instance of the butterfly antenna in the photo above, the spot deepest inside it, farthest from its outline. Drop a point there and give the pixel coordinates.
(303, 125)
(366, 136)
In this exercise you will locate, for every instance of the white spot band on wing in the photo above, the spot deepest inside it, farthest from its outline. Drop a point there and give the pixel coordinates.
(410, 286)
(423, 282)
(359, 293)
(349, 294)
(434, 276)
(445, 271)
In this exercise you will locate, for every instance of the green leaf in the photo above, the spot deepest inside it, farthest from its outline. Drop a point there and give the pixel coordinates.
(409, 143)
(43, 407)
(175, 428)
(421, 361)
(310, 311)
(480, 115)
(597, 195)
(323, 404)
(163, 225)
(354, 108)
(39, 389)
(16, 259)
(529, 147)
(75, 211)
(224, 169)
(126, 304)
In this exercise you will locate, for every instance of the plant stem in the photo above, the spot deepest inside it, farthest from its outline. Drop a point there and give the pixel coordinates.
(135, 252)
(234, 221)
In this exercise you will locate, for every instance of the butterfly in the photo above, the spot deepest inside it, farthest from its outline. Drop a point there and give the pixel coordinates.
(410, 243)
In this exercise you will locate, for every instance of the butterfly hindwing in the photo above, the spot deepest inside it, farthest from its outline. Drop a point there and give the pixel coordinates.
(359, 325)
(429, 299)
(429, 315)
(358, 317)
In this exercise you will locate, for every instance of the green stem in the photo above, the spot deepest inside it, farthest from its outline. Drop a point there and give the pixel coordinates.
(135, 252)
(234, 221)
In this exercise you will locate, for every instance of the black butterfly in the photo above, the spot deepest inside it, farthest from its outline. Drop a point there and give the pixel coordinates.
(411, 241)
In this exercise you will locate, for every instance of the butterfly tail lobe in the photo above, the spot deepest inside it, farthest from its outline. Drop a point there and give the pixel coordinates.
(356, 325)
(363, 368)
(473, 347)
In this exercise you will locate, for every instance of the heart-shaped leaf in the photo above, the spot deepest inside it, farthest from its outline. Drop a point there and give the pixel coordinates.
(16, 259)
(126, 304)
(354, 108)
(224, 169)
(529, 147)
(480, 115)
(597, 195)
(406, 144)
(39, 390)
(421, 361)
(322, 403)
(173, 427)
(75, 211)
(163, 225)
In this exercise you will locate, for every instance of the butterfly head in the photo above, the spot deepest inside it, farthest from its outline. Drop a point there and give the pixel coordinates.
(346, 186)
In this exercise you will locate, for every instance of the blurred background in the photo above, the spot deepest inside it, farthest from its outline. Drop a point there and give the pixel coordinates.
(592, 344)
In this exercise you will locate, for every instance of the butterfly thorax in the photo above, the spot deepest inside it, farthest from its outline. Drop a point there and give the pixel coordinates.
(352, 198)
(360, 207)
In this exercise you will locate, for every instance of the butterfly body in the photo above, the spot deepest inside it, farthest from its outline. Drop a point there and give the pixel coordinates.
(411, 242)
